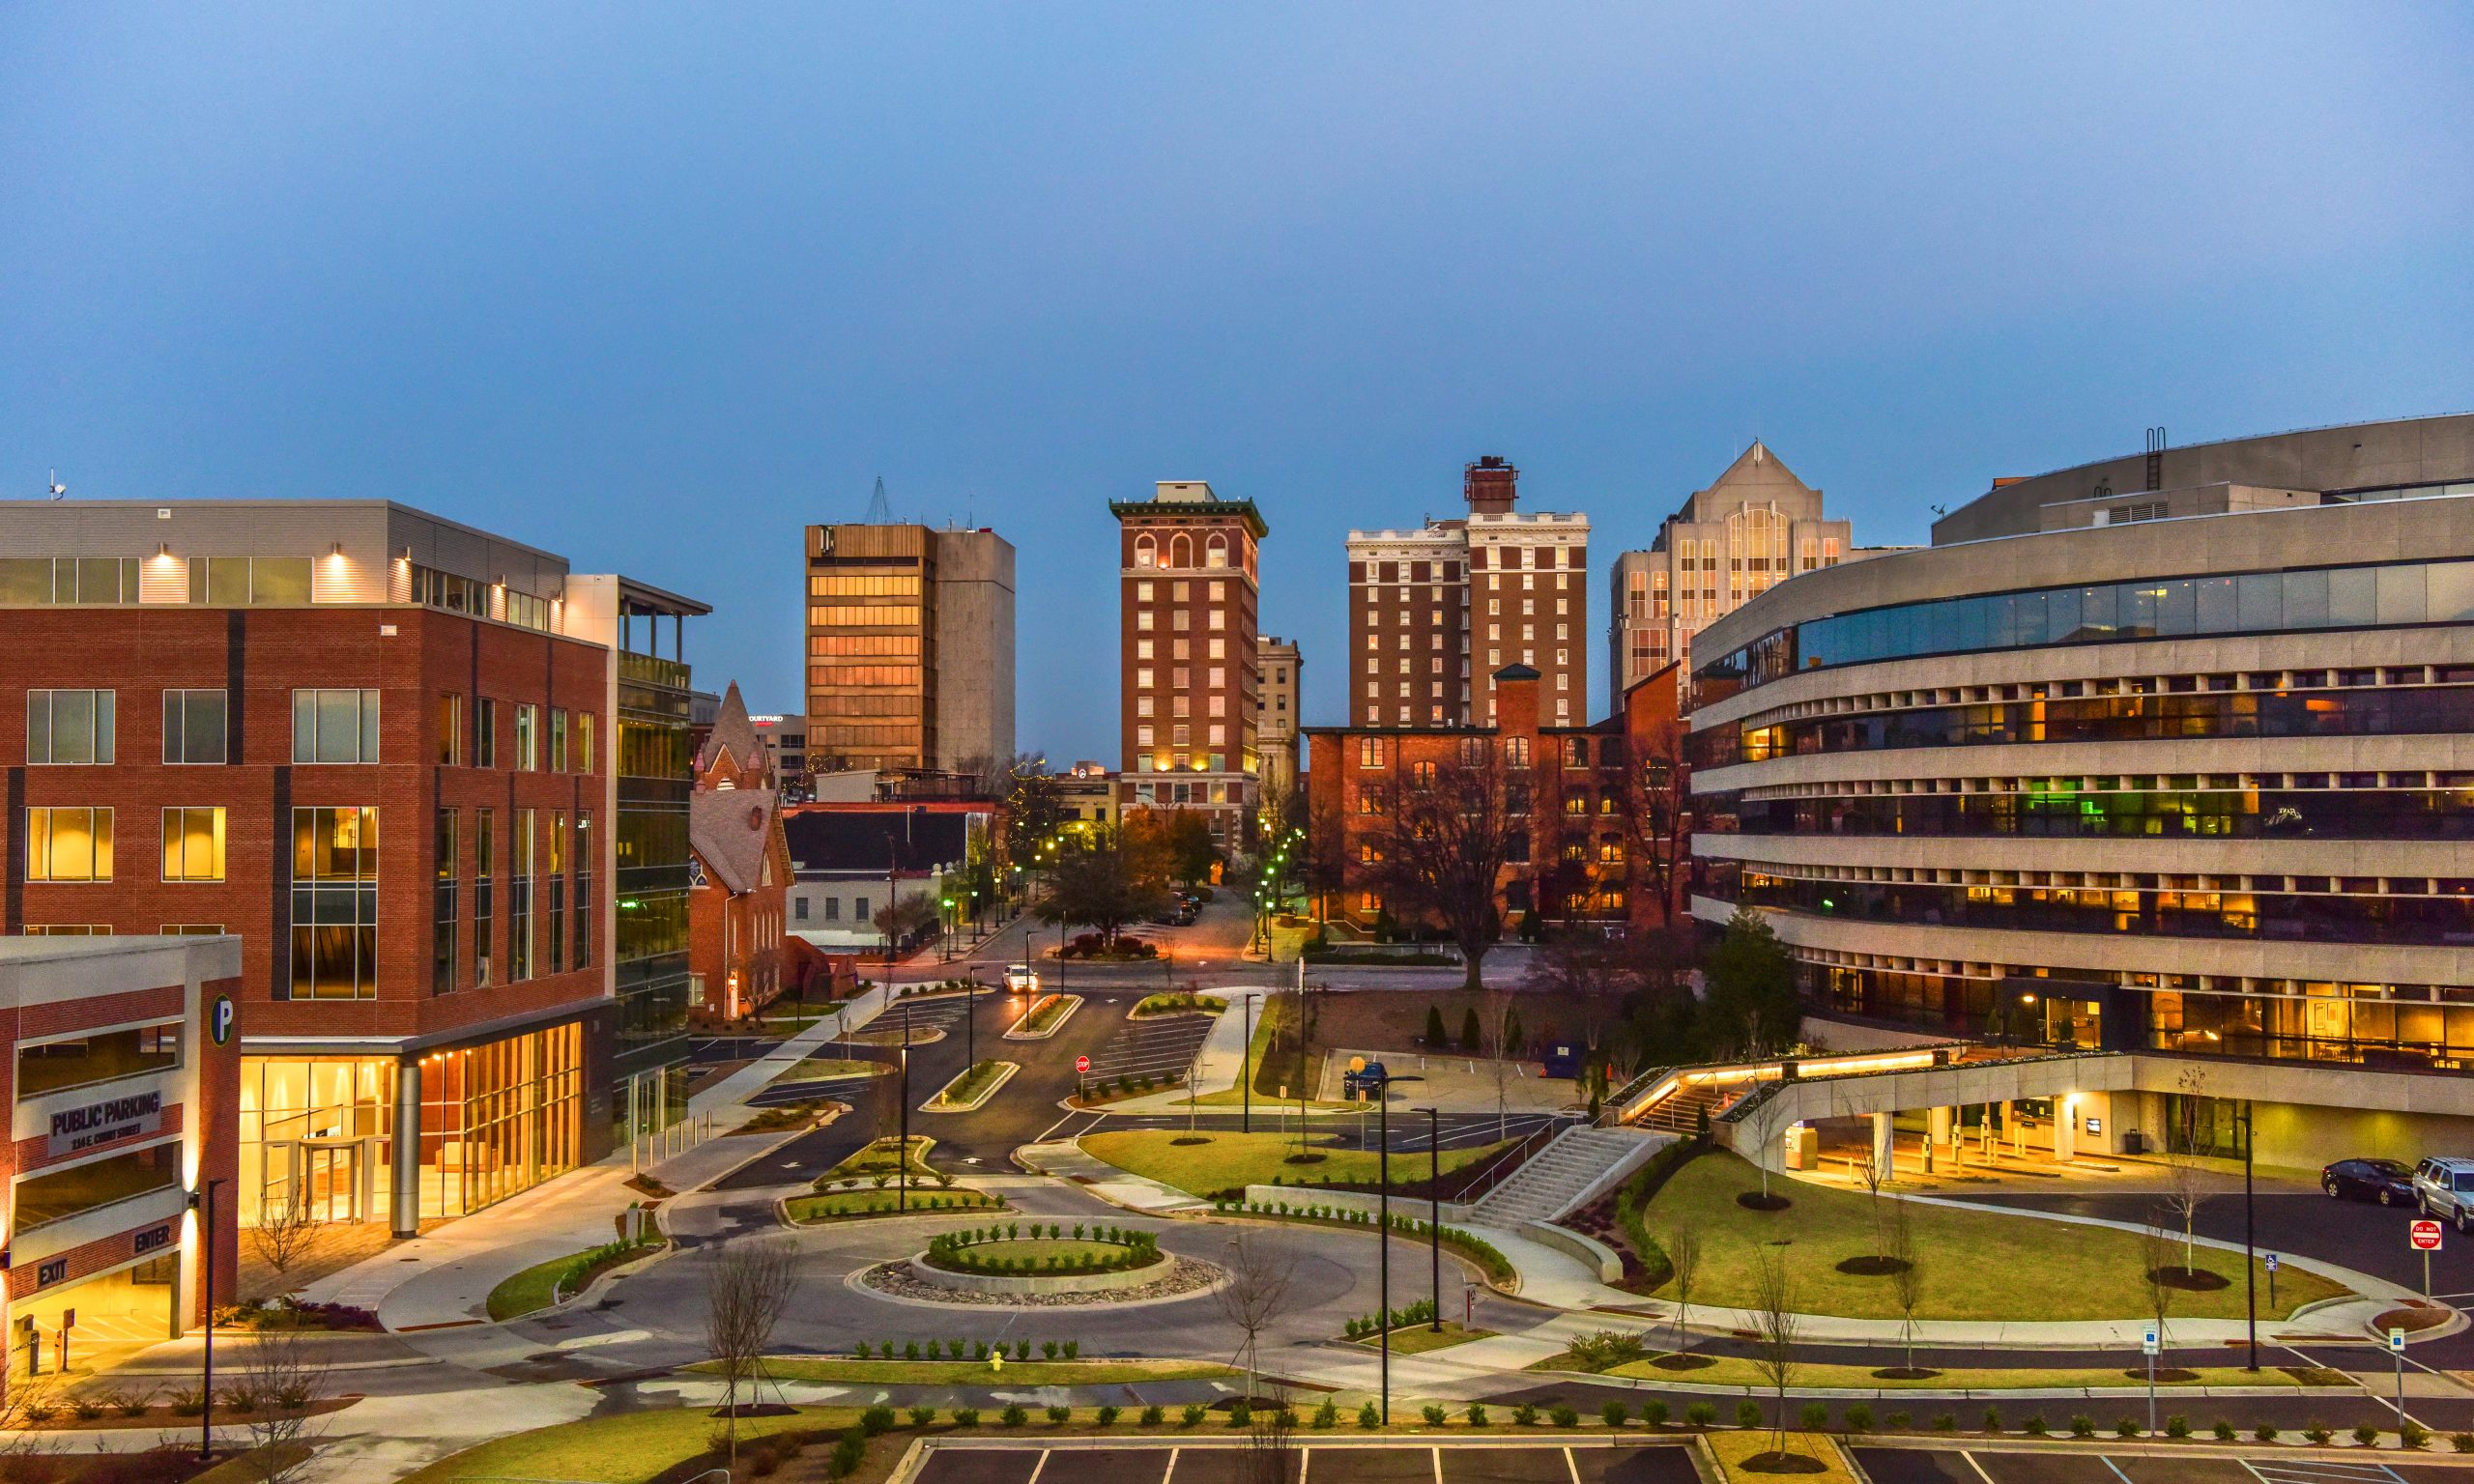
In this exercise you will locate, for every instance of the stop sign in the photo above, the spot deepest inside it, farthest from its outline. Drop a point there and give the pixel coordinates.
(1083, 1063)
(2424, 1234)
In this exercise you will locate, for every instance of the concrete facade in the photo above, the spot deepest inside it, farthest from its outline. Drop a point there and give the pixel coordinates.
(1280, 712)
(2190, 785)
(910, 644)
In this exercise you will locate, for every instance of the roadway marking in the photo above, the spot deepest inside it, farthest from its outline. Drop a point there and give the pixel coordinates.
(1436, 1454)
(1036, 1467)
(2116, 1467)
(1172, 1466)
(1570, 1466)
(2323, 1471)
(1979, 1468)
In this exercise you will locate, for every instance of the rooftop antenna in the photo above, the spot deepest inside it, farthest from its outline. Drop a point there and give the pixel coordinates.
(56, 489)
(880, 509)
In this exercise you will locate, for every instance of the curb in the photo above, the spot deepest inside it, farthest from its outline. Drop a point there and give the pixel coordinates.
(1072, 1004)
(1004, 1074)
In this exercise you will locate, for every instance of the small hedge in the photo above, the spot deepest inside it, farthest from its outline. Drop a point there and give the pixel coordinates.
(976, 1250)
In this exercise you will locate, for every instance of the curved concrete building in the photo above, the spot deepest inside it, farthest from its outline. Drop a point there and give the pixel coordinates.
(2183, 772)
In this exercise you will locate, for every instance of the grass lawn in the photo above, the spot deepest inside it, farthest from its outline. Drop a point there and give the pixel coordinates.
(1978, 1264)
(532, 1288)
(963, 1373)
(1739, 1371)
(631, 1448)
(1234, 1160)
(1417, 1340)
(877, 1202)
(816, 1068)
(1733, 1448)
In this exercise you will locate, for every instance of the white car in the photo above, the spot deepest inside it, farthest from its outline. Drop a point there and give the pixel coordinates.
(1022, 979)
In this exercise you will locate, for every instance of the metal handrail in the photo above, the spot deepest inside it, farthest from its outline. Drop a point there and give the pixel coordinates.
(1506, 1162)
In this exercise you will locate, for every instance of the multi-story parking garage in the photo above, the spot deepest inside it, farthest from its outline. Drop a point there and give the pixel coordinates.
(2167, 758)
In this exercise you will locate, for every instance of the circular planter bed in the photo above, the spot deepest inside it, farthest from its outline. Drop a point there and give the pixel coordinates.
(1008, 1260)
(1871, 1266)
(2195, 1280)
(1754, 1199)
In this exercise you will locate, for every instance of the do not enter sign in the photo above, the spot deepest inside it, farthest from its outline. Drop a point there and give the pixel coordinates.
(2424, 1234)
(1083, 1063)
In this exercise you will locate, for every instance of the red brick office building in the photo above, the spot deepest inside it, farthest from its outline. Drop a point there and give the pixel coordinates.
(385, 768)
(125, 1106)
(1589, 832)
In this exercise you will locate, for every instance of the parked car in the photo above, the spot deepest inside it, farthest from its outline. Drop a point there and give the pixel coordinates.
(2384, 1180)
(1368, 1078)
(2444, 1188)
(1021, 979)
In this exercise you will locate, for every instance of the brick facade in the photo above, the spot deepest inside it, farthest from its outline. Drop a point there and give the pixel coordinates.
(412, 657)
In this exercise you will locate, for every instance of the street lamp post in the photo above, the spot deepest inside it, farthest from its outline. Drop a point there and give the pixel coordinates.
(206, 1391)
(902, 1160)
(1246, 1070)
(1383, 1227)
(1434, 1208)
(2250, 1261)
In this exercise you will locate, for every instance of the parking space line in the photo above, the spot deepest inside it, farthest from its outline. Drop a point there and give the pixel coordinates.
(1171, 1474)
(1437, 1455)
(1570, 1466)
(1979, 1468)
(1036, 1467)
(2108, 1463)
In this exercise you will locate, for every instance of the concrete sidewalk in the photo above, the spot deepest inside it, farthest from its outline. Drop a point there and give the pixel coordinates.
(444, 1278)
(1065, 1160)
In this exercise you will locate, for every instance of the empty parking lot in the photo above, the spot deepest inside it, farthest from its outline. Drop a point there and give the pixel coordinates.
(2094, 1463)
(1215, 1462)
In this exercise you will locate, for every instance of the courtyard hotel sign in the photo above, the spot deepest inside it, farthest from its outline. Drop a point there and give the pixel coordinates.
(104, 1119)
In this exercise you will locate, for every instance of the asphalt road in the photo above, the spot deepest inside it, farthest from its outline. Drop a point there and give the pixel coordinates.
(2092, 1463)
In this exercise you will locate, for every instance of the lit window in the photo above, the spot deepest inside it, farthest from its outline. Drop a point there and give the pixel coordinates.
(528, 722)
(335, 904)
(192, 844)
(69, 844)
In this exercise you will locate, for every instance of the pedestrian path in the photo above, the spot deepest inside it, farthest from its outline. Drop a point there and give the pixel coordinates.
(443, 1277)
(1065, 1160)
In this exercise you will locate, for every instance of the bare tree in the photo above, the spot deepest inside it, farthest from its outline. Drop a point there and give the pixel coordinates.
(1449, 835)
(1870, 1172)
(2156, 1258)
(286, 1381)
(1495, 1027)
(1655, 806)
(1258, 1286)
(2185, 1180)
(1763, 1121)
(748, 1287)
(1907, 1274)
(286, 1235)
(1683, 1244)
(1777, 1326)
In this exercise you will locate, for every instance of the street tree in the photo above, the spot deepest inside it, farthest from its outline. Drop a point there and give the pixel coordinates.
(1445, 838)
(1907, 1274)
(282, 1370)
(1655, 805)
(2156, 1272)
(1259, 1275)
(1100, 886)
(1777, 1326)
(2186, 1181)
(287, 1234)
(1683, 1244)
(748, 1287)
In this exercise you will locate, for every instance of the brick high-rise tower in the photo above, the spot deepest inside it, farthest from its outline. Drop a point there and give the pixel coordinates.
(1435, 612)
(1188, 652)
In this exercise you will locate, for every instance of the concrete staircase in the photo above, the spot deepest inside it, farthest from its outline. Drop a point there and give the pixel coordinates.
(1573, 1169)
(1679, 1111)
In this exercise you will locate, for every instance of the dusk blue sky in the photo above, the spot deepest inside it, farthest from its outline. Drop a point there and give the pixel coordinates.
(653, 286)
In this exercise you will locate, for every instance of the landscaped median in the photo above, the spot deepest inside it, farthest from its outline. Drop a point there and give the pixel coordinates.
(1221, 1164)
(972, 1089)
(871, 1182)
(544, 1284)
(1615, 1353)
(1475, 1249)
(1046, 1015)
(1182, 1003)
(889, 1371)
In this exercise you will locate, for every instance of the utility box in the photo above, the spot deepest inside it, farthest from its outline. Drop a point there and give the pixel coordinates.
(1804, 1146)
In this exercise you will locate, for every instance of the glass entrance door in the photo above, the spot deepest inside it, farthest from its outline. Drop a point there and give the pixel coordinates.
(328, 1176)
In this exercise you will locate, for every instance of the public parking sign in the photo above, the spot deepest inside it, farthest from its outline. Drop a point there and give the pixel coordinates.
(1083, 1063)
(2424, 1234)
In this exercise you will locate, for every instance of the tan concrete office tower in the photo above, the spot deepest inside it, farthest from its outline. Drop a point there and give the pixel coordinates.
(909, 648)
(1275, 712)
(1434, 612)
(1188, 664)
(1755, 526)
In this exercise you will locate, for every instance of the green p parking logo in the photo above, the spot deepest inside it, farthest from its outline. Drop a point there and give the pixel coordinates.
(219, 1018)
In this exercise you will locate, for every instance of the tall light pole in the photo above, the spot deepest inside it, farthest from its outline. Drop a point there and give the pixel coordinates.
(206, 1391)
(1383, 1226)
(1246, 1068)
(902, 1160)
(2250, 1261)
(1434, 1208)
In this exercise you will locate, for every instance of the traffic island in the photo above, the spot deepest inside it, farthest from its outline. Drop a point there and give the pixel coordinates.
(1046, 1016)
(972, 1089)
(1015, 1264)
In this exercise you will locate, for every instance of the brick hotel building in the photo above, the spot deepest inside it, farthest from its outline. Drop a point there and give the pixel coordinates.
(1188, 669)
(1435, 612)
(436, 787)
